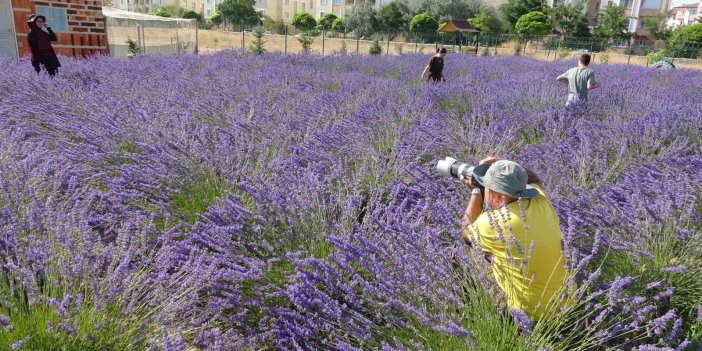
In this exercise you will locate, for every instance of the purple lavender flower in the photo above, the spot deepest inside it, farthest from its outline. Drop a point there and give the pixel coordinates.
(674, 269)
(522, 320)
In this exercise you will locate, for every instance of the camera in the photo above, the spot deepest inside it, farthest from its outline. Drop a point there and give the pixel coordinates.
(452, 167)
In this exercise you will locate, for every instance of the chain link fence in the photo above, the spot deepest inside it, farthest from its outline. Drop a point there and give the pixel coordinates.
(148, 34)
(327, 42)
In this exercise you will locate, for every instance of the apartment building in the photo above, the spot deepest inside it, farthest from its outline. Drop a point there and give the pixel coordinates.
(685, 14)
(286, 9)
(78, 24)
(636, 10)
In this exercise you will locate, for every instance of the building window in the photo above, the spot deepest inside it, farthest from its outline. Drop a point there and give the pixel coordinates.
(209, 12)
(323, 2)
(56, 17)
(693, 13)
(321, 14)
(651, 4)
(287, 15)
(303, 7)
(628, 4)
(192, 4)
(336, 2)
(287, 2)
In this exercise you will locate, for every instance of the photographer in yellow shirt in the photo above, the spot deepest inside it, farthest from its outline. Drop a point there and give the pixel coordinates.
(520, 231)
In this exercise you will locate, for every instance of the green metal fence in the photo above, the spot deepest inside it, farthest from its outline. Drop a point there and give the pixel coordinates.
(550, 47)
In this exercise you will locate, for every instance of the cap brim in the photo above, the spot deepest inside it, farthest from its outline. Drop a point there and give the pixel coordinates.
(479, 172)
(529, 193)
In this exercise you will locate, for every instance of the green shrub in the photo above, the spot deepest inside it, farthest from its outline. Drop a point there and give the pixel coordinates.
(132, 47)
(306, 41)
(655, 56)
(563, 52)
(685, 42)
(376, 49)
(604, 57)
(257, 45)
(303, 21)
(191, 14)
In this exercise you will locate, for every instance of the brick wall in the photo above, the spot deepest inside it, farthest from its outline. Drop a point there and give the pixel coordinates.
(85, 34)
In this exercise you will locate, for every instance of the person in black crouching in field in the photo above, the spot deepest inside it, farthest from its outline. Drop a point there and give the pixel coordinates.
(40, 38)
(435, 67)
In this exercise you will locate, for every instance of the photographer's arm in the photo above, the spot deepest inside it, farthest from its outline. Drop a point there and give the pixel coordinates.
(472, 212)
(424, 73)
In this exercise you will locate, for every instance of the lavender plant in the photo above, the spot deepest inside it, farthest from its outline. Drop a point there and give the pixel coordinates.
(298, 209)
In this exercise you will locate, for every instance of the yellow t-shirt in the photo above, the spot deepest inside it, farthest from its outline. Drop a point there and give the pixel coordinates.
(535, 269)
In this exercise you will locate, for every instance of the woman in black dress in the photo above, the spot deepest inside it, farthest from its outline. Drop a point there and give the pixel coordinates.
(435, 67)
(40, 38)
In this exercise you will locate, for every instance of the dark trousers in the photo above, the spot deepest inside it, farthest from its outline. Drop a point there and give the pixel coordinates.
(51, 70)
(436, 77)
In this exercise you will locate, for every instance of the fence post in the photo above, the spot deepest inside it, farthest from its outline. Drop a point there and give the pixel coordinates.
(285, 41)
(416, 44)
(323, 36)
(387, 47)
(630, 51)
(555, 52)
(242, 35)
(673, 58)
(358, 40)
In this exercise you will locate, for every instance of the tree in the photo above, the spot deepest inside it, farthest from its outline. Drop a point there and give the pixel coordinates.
(685, 41)
(375, 49)
(487, 21)
(569, 21)
(327, 20)
(363, 20)
(306, 41)
(216, 18)
(257, 45)
(239, 12)
(273, 26)
(168, 11)
(534, 23)
(423, 23)
(657, 27)
(612, 23)
(395, 16)
(445, 10)
(338, 25)
(191, 14)
(303, 21)
(512, 10)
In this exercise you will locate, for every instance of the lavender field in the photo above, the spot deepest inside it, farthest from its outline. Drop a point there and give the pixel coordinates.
(240, 202)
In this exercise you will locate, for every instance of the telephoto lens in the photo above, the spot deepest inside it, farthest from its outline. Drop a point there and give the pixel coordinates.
(451, 167)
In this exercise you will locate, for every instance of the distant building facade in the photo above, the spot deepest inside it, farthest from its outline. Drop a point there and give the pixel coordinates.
(636, 10)
(684, 15)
